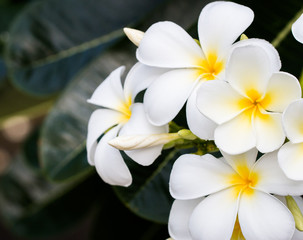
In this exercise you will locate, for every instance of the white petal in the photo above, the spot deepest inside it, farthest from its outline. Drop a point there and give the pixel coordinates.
(109, 93)
(283, 88)
(166, 96)
(109, 162)
(195, 176)
(249, 70)
(262, 216)
(214, 218)
(200, 125)
(297, 29)
(180, 213)
(99, 122)
(221, 23)
(272, 53)
(272, 179)
(237, 135)
(241, 162)
(165, 44)
(269, 131)
(293, 121)
(290, 157)
(139, 78)
(219, 101)
(139, 124)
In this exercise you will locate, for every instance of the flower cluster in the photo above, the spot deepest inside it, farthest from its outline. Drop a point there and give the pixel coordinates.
(236, 95)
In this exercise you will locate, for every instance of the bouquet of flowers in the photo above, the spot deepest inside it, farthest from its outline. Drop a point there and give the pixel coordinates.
(155, 119)
(241, 176)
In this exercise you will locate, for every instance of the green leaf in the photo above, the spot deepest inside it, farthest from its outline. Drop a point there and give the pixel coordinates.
(149, 196)
(34, 208)
(114, 221)
(64, 132)
(8, 10)
(3, 72)
(30, 149)
(52, 40)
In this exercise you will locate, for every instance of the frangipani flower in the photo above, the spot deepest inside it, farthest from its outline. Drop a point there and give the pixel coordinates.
(236, 188)
(120, 116)
(290, 155)
(248, 107)
(166, 45)
(297, 29)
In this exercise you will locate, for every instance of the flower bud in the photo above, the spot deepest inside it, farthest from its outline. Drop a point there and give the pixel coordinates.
(132, 142)
(187, 134)
(134, 35)
(296, 212)
(243, 37)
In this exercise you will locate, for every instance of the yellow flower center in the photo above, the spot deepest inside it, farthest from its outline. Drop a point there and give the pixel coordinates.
(243, 179)
(210, 66)
(125, 109)
(255, 104)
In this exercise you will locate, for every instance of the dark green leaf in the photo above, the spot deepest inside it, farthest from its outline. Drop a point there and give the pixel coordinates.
(30, 149)
(148, 196)
(65, 129)
(114, 221)
(52, 40)
(57, 215)
(34, 208)
(3, 71)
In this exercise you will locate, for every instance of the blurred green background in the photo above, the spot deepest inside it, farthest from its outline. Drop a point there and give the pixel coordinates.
(53, 54)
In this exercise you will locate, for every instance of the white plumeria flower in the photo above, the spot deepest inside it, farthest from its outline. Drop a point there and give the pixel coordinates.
(181, 211)
(248, 107)
(291, 153)
(120, 116)
(234, 187)
(297, 29)
(167, 45)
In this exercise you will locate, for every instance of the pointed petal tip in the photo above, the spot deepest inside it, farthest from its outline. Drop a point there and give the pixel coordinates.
(134, 35)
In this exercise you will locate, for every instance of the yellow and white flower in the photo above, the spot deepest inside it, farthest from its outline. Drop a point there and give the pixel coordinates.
(188, 63)
(120, 116)
(291, 153)
(230, 198)
(248, 107)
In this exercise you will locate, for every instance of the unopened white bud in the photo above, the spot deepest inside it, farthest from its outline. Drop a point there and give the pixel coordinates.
(133, 142)
(134, 35)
